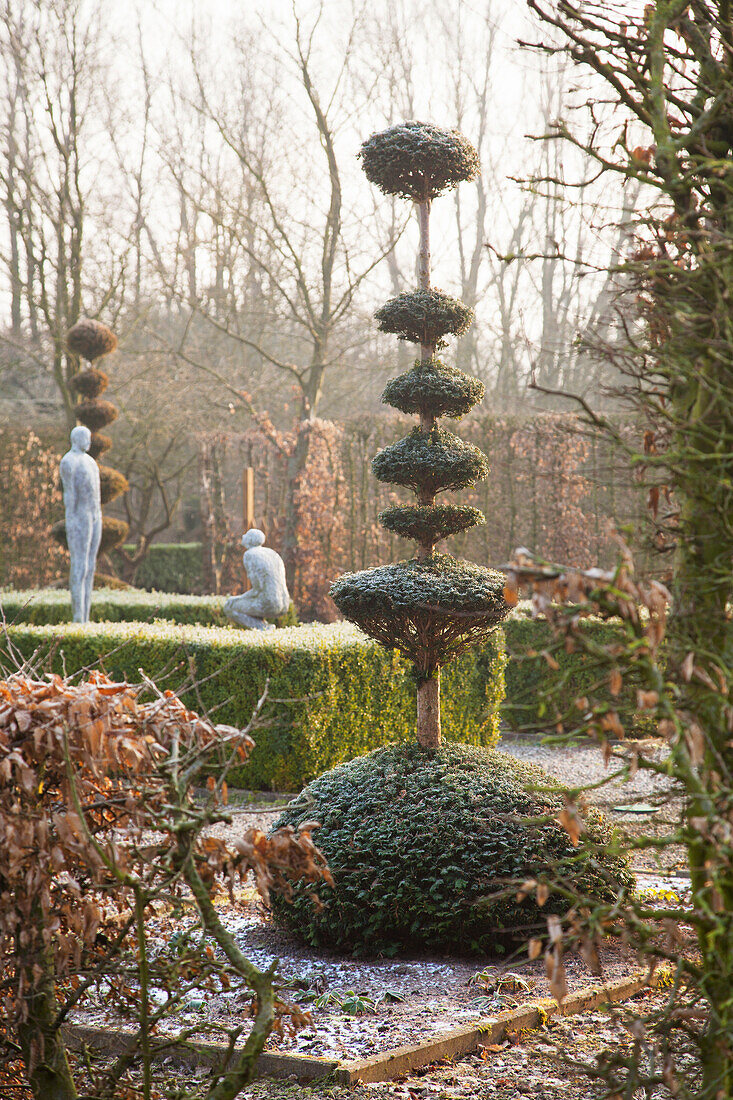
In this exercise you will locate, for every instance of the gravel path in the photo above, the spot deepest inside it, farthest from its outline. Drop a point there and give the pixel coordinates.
(578, 765)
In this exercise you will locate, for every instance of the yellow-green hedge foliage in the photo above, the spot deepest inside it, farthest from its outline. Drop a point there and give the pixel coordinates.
(48, 606)
(333, 694)
(534, 688)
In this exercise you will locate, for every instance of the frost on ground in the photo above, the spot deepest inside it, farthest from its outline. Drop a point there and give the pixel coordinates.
(361, 1007)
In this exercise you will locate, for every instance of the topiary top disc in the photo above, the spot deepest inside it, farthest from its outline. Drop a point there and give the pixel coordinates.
(427, 850)
(90, 339)
(430, 462)
(430, 610)
(424, 317)
(430, 522)
(418, 160)
(432, 387)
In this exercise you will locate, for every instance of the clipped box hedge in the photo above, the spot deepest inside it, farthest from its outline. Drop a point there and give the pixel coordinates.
(172, 567)
(49, 606)
(333, 693)
(532, 685)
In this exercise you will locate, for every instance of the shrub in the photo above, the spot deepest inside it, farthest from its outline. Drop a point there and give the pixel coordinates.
(333, 694)
(534, 687)
(172, 567)
(417, 160)
(426, 848)
(125, 604)
(31, 492)
(85, 770)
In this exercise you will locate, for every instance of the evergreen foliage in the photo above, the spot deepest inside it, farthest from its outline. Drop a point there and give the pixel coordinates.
(422, 845)
(431, 607)
(432, 387)
(112, 484)
(418, 161)
(430, 610)
(96, 413)
(424, 316)
(100, 444)
(430, 522)
(114, 531)
(430, 462)
(89, 383)
(90, 339)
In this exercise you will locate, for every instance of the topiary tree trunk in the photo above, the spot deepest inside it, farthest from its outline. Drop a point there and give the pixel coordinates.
(431, 607)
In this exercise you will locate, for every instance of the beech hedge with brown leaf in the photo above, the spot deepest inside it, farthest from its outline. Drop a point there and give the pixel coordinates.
(98, 829)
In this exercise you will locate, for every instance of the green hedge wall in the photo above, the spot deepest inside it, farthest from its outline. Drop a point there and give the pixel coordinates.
(43, 606)
(172, 567)
(532, 686)
(333, 694)
(527, 678)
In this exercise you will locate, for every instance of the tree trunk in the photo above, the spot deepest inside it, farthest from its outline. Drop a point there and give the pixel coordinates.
(428, 712)
(295, 471)
(43, 1051)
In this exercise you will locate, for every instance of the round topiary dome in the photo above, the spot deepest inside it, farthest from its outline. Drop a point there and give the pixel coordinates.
(418, 160)
(419, 844)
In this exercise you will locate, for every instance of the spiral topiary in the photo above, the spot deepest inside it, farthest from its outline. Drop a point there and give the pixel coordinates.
(430, 607)
(426, 850)
(91, 340)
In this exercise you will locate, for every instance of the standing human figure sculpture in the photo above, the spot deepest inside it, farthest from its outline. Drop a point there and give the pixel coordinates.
(268, 597)
(82, 500)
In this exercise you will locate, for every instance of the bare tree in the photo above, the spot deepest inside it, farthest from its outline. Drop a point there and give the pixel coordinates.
(304, 271)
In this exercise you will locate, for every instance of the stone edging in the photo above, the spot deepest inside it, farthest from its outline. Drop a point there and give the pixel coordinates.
(390, 1063)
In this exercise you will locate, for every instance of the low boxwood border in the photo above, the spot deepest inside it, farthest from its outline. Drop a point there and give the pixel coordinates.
(49, 606)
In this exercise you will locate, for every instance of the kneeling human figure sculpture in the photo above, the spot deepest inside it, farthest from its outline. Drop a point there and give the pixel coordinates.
(268, 596)
(82, 500)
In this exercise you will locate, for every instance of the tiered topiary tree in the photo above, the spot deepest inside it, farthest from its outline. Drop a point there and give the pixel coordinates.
(428, 845)
(91, 340)
(433, 606)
